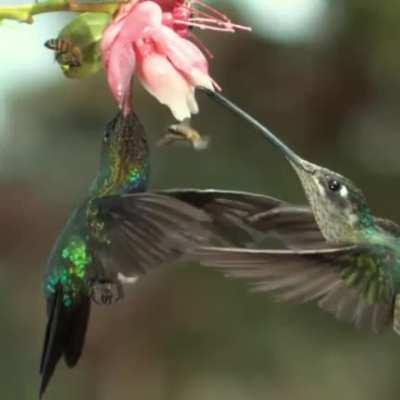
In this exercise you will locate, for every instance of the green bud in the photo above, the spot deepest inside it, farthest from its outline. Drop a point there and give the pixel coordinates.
(78, 45)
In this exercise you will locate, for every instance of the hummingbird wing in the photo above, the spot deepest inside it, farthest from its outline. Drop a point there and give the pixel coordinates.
(294, 225)
(353, 283)
(388, 226)
(246, 218)
(141, 231)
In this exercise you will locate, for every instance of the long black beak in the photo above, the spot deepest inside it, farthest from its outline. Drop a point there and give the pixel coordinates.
(290, 155)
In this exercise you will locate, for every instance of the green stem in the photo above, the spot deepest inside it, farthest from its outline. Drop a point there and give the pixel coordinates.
(25, 12)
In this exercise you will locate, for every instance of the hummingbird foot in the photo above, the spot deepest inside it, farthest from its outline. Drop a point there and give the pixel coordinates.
(107, 293)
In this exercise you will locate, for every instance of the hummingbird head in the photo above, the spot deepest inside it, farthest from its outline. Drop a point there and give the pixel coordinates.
(340, 208)
(124, 136)
(124, 156)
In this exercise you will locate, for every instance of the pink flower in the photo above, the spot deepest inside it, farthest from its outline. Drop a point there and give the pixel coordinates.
(151, 37)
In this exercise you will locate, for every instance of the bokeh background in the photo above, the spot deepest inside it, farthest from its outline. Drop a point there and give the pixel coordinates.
(325, 76)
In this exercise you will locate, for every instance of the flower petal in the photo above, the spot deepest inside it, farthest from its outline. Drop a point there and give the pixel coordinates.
(132, 21)
(113, 29)
(121, 66)
(184, 55)
(168, 86)
(109, 36)
(143, 18)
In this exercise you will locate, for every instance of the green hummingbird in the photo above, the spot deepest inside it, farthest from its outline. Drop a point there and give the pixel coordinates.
(121, 231)
(337, 252)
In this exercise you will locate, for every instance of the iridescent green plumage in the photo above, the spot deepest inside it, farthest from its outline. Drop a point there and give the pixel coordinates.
(71, 272)
(124, 168)
(121, 232)
(85, 256)
(75, 266)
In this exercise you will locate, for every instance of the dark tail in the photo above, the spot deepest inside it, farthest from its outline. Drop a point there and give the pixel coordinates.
(65, 335)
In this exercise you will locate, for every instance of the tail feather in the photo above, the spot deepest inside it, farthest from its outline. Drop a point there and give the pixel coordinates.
(78, 323)
(65, 335)
(53, 342)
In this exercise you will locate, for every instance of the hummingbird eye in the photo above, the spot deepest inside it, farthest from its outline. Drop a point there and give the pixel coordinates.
(334, 185)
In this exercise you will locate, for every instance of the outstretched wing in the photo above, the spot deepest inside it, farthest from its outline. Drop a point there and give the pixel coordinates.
(246, 218)
(353, 283)
(249, 216)
(134, 233)
(388, 226)
(294, 225)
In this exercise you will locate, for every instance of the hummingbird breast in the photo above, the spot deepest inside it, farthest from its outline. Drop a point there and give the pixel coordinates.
(70, 260)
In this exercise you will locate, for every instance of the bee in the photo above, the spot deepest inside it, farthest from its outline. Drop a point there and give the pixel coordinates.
(66, 52)
(184, 132)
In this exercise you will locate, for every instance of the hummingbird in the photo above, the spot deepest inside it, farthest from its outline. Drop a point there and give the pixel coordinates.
(336, 253)
(122, 231)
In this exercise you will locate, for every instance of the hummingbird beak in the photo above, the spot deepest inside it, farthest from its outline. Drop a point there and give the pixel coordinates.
(305, 171)
(296, 161)
(300, 165)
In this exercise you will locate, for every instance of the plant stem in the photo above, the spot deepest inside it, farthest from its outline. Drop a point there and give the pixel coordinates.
(25, 12)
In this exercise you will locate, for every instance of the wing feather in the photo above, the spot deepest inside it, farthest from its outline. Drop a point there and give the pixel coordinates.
(321, 274)
(139, 232)
(247, 217)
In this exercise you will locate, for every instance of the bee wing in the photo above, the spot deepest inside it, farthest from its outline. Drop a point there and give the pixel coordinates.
(353, 283)
(247, 218)
(139, 232)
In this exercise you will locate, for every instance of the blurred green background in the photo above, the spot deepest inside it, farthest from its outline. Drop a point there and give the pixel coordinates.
(325, 76)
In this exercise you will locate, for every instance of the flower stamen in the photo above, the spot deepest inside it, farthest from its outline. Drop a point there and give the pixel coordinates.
(211, 10)
(203, 26)
(206, 17)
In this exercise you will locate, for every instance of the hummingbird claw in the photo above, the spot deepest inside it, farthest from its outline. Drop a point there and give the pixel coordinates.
(106, 293)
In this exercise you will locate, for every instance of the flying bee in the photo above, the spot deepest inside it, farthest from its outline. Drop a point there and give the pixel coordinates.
(66, 52)
(184, 132)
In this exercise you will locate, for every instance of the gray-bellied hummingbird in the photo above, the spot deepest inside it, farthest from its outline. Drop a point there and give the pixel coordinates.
(337, 252)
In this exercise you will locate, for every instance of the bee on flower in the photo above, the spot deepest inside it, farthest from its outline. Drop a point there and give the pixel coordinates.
(77, 47)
